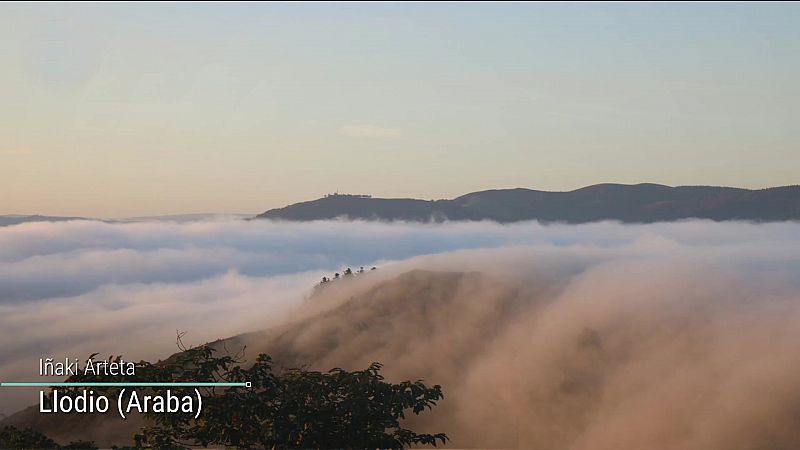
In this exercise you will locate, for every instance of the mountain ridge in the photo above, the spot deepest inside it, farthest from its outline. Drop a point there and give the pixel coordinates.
(630, 203)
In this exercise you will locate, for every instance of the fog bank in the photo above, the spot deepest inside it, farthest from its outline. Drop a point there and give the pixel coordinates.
(680, 335)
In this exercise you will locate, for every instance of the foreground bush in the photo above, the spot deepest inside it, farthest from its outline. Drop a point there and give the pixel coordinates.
(294, 408)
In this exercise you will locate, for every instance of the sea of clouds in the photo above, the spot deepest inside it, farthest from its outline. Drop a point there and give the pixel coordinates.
(75, 288)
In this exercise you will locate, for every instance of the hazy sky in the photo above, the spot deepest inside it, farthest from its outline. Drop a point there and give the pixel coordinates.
(122, 109)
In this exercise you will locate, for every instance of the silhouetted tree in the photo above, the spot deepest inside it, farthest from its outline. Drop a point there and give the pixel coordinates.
(294, 408)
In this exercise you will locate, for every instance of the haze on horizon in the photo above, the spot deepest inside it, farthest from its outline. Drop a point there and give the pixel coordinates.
(116, 110)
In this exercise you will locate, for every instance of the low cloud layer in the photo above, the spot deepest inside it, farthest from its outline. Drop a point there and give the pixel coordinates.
(681, 335)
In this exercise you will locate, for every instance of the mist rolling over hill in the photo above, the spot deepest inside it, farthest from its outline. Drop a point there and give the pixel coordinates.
(574, 351)
(639, 203)
(601, 335)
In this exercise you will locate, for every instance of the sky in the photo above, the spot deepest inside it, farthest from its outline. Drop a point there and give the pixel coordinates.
(114, 110)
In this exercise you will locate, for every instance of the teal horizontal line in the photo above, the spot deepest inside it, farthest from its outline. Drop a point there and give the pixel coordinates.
(112, 384)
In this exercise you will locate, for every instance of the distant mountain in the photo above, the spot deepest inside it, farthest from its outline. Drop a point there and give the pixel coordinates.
(638, 203)
(15, 219)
